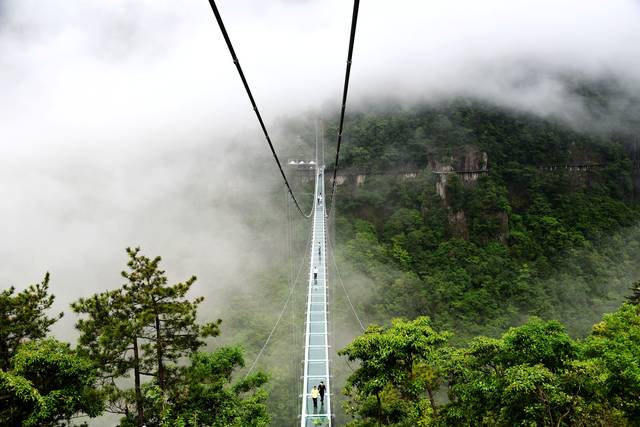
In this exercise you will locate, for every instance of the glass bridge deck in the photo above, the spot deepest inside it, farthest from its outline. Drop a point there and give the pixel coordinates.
(316, 348)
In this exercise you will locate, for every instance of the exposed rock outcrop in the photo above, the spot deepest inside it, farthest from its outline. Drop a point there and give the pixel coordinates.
(469, 165)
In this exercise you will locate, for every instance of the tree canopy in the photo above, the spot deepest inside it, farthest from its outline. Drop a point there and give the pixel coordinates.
(534, 374)
(48, 384)
(23, 317)
(143, 329)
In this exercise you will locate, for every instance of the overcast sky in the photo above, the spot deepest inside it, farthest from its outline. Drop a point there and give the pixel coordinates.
(123, 122)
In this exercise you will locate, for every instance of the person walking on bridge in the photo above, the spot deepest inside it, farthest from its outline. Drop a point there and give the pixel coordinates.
(314, 396)
(322, 389)
(315, 273)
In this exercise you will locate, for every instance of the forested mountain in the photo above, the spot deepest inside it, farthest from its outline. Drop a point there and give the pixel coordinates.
(481, 217)
(486, 241)
(477, 216)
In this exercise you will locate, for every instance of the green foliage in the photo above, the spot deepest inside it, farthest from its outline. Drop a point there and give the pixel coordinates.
(398, 367)
(144, 328)
(528, 238)
(19, 400)
(48, 385)
(534, 375)
(634, 298)
(512, 381)
(208, 397)
(403, 221)
(615, 344)
(167, 319)
(23, 317)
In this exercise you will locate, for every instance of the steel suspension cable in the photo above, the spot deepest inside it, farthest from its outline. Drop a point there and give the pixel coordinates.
(354, 21)
(253, 103)
(292, 390)
(346, 294)
(335, 265)
(284, 307)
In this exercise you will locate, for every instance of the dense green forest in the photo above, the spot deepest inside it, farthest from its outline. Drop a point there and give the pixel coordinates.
(547, 227)
(497, 240)
(533, 375)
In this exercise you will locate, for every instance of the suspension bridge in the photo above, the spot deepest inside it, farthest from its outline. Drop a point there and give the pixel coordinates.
(316, 338)
(315, 407)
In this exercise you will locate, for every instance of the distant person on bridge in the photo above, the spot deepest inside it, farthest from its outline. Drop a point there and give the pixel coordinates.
(319, 247)
(314, 396)
(315, 273)
(322, 389)
(320, 199)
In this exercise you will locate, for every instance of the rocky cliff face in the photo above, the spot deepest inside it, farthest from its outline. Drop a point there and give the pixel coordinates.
(467, 159)
(582, 167)
(469, 165)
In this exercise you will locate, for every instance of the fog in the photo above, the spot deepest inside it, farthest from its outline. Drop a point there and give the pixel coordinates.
(123, 122)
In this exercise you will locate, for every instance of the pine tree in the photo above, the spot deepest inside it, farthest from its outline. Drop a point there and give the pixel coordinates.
(23, 317)
(109, 335)
(634, 298)
(170, 329)
(144, 327)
